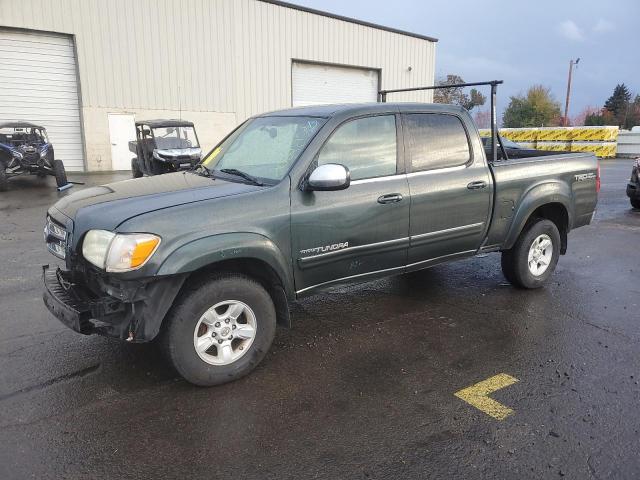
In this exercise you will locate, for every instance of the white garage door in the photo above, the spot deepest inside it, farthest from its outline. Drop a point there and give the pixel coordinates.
(314, 84)
(38, 84)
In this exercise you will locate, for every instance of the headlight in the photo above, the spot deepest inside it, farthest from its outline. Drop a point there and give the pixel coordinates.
(119, 252)
(162, 158)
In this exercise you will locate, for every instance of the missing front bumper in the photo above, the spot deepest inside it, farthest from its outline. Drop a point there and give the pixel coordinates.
(75, 308)
(136, 319)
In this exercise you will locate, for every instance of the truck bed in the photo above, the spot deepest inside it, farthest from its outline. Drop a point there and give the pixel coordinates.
(520, 183)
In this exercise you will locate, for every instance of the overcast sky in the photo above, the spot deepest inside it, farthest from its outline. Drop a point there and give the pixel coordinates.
(522, 43)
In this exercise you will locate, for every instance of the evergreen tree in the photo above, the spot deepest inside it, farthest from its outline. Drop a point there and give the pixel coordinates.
(618, 104)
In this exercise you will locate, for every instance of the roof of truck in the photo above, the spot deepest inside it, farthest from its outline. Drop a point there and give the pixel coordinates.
(19, 125)
(158, 123)
(326, 111)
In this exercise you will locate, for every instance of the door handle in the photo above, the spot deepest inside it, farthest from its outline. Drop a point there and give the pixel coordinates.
(390, 198)
(477, 185)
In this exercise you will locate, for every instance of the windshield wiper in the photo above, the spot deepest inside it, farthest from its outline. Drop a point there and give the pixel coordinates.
(245, 175)
(206, 169)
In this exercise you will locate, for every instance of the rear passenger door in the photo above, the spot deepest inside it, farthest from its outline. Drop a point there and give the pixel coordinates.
(451, 189)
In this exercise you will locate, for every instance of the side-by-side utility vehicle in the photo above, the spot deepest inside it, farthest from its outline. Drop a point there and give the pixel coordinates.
(164, 146)
(25, 150)
(292, 202)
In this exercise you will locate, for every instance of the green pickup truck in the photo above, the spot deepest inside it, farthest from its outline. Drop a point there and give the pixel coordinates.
(291, 202)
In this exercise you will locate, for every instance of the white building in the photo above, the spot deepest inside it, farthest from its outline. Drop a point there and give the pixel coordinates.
(85, 69)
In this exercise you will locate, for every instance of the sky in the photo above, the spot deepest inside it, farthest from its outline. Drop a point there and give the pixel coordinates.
(521, 42)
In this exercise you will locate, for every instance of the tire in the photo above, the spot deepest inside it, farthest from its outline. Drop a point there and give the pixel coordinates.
(635, 203)
(515, 262)
(158, 168)
(60, 173)
(4, 180)
(135, 169)
(186, 324)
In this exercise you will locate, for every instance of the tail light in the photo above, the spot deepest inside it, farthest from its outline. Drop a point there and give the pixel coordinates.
(598, 178)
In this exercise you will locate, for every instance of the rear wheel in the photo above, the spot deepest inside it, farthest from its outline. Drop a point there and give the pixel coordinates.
(534, 257)
(135, 169)
(4, 180)
(635, 203)
(219, 330)
(60, 173)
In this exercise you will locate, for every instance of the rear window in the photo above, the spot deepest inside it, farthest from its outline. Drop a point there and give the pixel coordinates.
(436, 141)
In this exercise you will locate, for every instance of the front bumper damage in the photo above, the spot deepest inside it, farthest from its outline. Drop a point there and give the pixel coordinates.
(132, 310)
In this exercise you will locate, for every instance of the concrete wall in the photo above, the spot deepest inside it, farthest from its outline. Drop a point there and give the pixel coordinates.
(629, 144)
(218, 61)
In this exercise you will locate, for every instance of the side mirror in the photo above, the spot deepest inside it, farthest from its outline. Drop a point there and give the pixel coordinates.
(330, 176)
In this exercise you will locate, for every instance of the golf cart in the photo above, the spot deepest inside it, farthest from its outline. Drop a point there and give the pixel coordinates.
(164, 146)
(24, 150)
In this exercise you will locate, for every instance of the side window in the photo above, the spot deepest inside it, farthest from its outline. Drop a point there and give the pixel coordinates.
(435, 141)
(366, 146)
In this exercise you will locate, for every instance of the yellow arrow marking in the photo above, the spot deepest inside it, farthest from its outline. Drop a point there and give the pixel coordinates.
(478, 395)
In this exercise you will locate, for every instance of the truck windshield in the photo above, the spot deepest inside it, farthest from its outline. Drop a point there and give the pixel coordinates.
(264, 147)
(175, 137)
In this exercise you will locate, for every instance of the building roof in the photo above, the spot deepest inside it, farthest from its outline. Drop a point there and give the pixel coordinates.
(349, 19)
(159, 123)
(19, 125)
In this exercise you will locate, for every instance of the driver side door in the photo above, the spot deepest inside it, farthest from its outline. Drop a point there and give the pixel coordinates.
(362, 231)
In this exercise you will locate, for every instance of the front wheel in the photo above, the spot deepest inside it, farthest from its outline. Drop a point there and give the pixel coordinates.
(135, 168)
(635, 203)
(534, 257)
(60, 173)
(219, 330)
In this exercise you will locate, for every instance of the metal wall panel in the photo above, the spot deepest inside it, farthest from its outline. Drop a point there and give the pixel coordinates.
(227, 56)
(38, 84)
(213, 55)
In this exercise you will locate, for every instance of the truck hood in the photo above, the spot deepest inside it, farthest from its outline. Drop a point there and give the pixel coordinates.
(107, 206)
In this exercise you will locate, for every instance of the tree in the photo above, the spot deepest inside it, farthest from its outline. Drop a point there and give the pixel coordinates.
(598, 119)
(538, 108)
(618, 103)
(633, 115)
(581, 117)
(456, 95)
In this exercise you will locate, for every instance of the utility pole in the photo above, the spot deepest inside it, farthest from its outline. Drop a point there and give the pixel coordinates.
(566, 105)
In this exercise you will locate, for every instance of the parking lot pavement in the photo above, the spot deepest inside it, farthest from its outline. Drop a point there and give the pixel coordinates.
(363, 385)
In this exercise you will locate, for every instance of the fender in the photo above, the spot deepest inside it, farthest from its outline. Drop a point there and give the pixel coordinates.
(228, 246)
(538, 195)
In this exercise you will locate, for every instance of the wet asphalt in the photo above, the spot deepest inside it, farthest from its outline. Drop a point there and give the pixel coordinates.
(361, 387)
